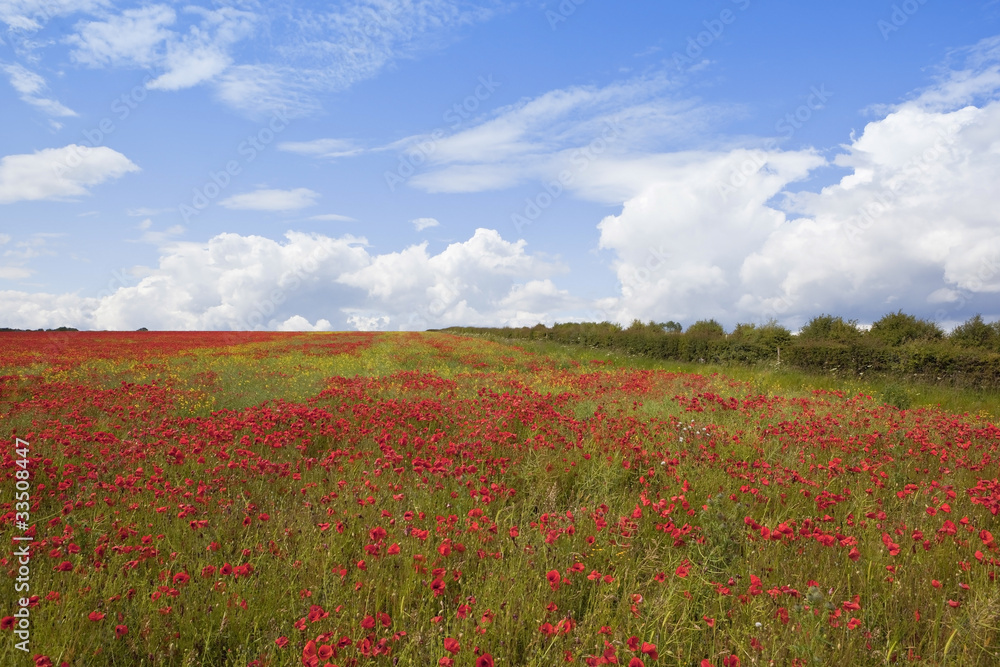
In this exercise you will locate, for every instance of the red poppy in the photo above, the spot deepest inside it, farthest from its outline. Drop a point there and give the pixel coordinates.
(7, 623)
(451, 645)
(95, 616)
(485, 660)
(121, 630)
(554, 578)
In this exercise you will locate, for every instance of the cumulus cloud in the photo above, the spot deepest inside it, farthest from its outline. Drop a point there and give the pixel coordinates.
(59, 173)
(272, 200)
(912, 225)
(311, 282)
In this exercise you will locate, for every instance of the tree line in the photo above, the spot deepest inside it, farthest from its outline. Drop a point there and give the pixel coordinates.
(897, 344)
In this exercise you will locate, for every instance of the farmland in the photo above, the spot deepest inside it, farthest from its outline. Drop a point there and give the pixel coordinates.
(429, 499)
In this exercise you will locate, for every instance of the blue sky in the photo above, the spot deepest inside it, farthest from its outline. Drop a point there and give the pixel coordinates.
(411, 164)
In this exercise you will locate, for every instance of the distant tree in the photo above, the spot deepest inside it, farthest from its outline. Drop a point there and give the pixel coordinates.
(671, 327)
(899, 328)
(770, 334)
(830, 328)
(706, 329)
(975, 333)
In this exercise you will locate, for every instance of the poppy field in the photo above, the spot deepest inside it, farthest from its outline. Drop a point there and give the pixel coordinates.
(358, 499)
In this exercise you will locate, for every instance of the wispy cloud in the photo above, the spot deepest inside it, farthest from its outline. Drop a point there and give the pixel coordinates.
(145, 37)
(314, 50)
(322, 148)
(272, 200)
(29, 87)
(331, 217)
(31, 15)
(420, 224)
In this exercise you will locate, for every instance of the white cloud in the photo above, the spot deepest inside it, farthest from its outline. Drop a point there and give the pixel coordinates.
(565, 132)
(145, 37)
(912, 225)
(203, 53)
(311, 50)
(332, 217)
(28, 84)
(311, 282)
(272, 200)
(420, 224)
(134, 38)
(31, 15)
(59, 173)
(322, 148)
(299, 323)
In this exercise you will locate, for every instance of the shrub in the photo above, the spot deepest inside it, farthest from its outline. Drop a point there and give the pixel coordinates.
(828, 327)
(898, 328)
(706, 329)
(975, 333)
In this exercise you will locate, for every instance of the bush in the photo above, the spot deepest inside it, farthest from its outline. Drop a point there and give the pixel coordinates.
(898, 328)
(706, 329)
(975, 333)
(828, 327)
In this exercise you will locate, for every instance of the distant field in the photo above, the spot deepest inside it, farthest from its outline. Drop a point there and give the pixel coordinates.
(429, 499)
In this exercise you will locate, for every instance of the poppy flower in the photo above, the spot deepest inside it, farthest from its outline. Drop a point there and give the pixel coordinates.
(121, 630)
(451, 645)
(485, 660)
(95, 616)
(554, 578)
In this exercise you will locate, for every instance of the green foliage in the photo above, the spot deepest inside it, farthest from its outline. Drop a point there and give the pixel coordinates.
(898, 328)
(976, 333)
(830, 328)
(706, 329)
(899, 345)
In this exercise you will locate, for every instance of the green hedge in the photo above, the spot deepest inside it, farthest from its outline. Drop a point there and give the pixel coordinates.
(933, 359)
